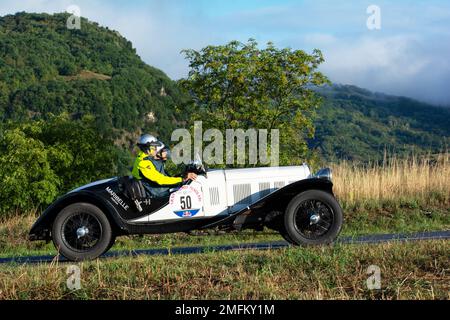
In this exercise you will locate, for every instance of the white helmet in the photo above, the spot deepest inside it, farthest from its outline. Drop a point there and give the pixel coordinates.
(160, 147)
(147, 141)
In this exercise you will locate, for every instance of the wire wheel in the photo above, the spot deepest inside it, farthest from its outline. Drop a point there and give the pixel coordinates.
(313, 219)
(81, 231)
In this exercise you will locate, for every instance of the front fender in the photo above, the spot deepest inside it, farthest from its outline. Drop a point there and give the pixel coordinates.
(297, 187)
(41, 229)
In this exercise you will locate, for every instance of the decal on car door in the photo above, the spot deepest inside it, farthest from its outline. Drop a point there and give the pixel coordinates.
(186, 202)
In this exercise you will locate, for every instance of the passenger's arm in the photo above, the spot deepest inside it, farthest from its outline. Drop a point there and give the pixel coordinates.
(149, 171)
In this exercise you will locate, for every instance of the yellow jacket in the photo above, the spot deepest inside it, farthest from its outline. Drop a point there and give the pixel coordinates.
(144, 168)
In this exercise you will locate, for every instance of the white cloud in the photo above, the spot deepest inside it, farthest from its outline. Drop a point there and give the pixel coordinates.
(403, 65)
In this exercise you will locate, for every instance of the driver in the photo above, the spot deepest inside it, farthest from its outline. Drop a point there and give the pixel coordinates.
(149, 167)
(159, 160)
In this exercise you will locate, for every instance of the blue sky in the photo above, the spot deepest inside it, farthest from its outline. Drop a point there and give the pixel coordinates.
(409, 55)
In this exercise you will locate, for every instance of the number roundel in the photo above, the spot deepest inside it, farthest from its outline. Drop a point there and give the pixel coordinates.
(186, 202)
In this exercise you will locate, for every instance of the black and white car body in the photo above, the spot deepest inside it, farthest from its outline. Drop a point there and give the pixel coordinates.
(84, 223)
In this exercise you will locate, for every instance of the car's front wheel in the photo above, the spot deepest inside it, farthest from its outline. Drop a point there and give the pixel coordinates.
(313, 217)
(81, 231)
(286, 236)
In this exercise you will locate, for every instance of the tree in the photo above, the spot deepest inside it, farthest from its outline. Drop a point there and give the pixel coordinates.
(67, 68)
(40, 160)
(239, 86)
(25, 171)
(4, 97)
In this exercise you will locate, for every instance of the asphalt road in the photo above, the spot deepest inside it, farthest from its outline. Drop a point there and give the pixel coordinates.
(376, 238)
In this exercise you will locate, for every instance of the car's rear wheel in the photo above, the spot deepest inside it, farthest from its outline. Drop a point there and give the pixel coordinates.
(81, 231)
(313, 217)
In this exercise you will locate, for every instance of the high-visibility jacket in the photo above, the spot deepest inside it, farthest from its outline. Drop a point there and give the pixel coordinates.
(144, 168)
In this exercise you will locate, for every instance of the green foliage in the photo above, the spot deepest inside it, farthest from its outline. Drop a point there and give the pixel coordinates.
(46, 69)
(41, 160)
(239, 86)
(25, 171)
(359, 125)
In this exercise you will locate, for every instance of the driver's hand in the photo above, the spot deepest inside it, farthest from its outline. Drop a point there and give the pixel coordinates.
(190, 176)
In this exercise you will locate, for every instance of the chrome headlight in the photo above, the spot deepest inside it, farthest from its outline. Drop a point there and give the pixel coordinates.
(324, 173)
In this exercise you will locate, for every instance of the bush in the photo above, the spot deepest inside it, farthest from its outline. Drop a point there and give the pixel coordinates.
(40, 160)
(26, 172)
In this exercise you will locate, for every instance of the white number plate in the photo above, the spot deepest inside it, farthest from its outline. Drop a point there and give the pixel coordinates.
(186, 202)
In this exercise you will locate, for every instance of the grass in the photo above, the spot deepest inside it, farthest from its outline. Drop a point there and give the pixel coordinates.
(87, 75)
(413, 181)
(408, 271)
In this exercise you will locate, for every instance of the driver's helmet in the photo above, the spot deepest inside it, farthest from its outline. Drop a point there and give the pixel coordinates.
(163, 148)
(160, 148)
(147, 142)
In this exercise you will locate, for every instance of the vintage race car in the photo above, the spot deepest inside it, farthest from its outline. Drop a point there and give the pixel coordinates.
(85, 222)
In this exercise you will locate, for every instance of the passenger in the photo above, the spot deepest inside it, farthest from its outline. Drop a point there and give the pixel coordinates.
(149, 168)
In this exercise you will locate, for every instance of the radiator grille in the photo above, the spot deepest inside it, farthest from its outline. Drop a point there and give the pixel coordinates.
(264, 189)
(278, 184)
(214, 196)
(241, 193)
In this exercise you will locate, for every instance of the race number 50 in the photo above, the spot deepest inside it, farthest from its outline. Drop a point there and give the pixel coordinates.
(186, 202)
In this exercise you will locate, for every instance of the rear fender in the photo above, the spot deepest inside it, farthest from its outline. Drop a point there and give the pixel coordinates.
(41, 228)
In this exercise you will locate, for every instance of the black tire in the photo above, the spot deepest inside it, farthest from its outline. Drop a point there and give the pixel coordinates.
(285, 236)
(111, 243)
(81, 231)
(301, 222)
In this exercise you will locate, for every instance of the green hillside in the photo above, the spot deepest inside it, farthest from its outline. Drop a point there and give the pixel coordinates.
(357, 124)
(46, 68)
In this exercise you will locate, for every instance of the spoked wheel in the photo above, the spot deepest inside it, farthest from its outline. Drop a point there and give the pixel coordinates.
(313, 217)
(81, 231)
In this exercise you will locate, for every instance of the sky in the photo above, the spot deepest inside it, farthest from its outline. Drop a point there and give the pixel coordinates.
(408, 55)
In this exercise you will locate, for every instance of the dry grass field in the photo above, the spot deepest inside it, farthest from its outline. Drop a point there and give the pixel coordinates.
(424, 180)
